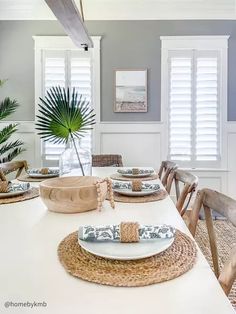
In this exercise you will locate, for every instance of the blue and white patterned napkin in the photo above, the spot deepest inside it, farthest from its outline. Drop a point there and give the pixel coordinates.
(38, 171)
(17, 187)
(119, 185)
(130, 171)
(112, 232)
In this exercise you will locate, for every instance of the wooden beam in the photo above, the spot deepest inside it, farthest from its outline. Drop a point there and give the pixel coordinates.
(68, 15)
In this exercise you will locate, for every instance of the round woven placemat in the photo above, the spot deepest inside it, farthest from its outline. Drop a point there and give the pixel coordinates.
(157, 196)
(171, 263)
(117, 176)
(32, 193)
(26, 178)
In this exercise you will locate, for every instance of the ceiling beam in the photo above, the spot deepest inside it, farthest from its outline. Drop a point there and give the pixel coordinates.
(68, 15)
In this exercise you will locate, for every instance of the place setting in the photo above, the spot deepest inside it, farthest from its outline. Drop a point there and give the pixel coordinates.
(127, 174)
(11, 192)
(127, 254)
(137, 191)
(39, 174)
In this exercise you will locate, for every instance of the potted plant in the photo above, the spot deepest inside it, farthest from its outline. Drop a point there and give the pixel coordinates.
(64, 117)
(8, 150)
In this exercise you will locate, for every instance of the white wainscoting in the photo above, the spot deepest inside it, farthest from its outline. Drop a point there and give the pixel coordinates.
(140, 144)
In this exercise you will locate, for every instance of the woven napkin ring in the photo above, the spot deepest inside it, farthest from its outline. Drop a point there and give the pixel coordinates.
(136, 185)
(129, 232)
(135, 171)
(44, 171)
(3, 186)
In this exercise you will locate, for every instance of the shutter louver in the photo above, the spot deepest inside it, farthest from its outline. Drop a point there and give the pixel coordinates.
(180, 99)
(193, 106)
(206, 108)
(55, 75)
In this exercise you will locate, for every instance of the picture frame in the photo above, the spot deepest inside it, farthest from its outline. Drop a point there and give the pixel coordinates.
(130, 90)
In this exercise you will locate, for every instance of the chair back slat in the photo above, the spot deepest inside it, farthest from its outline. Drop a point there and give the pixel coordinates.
(212, 200)
(107, 160)
(165, 170)
(13, 166)
(190, 182)
(228, 272)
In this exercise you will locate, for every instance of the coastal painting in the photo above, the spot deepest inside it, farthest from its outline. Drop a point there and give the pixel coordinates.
(130, 91)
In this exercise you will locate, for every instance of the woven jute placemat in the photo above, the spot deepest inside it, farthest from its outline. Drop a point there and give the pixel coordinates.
(171, 263)
(157, 196)
(26, 178)
(32, 193)
(117, 176)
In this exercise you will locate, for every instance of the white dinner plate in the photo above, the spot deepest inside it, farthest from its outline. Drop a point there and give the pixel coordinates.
(41, 176)
(129, 192)
(15, 193)
(140, 175)
(127, 251)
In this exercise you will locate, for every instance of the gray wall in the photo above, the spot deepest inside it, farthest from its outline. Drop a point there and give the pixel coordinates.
(125, 44)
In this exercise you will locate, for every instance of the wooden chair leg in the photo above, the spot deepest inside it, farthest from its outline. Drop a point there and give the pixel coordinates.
(212, 239)
(182, 198)
(194, 214)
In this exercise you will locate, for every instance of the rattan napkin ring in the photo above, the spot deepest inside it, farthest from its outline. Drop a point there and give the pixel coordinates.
(4, 186)
(44, 171)
(136, 185)
(129, 232)
(135, 171)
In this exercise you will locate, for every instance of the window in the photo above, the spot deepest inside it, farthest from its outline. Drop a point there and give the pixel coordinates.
(194, 100)
(62, 64)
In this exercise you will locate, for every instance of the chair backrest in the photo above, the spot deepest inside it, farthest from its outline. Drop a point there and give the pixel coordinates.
(165, 169)
(107, 161)
(190, 182)
(228, 272)
(224, 205)
(12, 166)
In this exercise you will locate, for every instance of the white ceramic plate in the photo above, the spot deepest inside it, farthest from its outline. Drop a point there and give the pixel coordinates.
(141, 175)
(129, 192)
(39, 175)
(127, 251)
(16, 193)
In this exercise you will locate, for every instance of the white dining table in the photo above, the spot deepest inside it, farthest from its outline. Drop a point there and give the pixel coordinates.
(31, 272)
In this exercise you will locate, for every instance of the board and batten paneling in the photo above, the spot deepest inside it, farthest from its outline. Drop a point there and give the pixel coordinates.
(140, 144)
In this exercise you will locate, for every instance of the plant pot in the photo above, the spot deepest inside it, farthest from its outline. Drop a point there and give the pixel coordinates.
(72, 194)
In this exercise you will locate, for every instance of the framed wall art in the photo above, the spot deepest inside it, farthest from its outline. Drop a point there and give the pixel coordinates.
(130, 91)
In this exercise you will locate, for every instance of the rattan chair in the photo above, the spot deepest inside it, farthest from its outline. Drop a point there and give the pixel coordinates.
(12, 166)
(107, 161)
(165, 169)
(190, 183)
(211, 200)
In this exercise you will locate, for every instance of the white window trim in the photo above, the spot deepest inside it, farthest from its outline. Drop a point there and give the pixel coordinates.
(64, 43)
(219, 43)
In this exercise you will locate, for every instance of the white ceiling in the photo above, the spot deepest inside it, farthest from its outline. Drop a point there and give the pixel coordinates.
(125, 9)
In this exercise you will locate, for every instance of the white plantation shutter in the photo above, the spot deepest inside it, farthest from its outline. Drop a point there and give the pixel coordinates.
(66, 69)
(193, 106)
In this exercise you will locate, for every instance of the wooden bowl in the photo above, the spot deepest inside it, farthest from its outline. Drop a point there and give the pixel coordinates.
(71, 194)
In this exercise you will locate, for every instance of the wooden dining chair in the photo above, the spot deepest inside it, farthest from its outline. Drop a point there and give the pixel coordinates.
(190, 183)
(211, 200)
(12, 166)
(107, 160)
(228, 272)
(165, 169)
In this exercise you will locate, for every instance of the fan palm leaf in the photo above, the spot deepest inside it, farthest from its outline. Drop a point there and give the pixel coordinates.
(63, 115)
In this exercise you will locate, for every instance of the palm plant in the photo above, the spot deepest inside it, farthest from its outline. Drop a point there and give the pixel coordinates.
(8, 150)
(64, 116)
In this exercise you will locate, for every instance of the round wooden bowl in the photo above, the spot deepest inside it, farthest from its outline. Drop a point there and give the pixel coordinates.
(71, 194)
